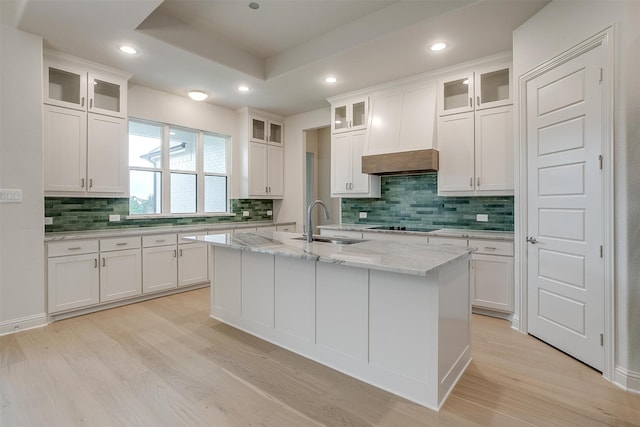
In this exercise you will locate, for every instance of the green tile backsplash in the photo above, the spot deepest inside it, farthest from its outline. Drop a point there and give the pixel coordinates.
(413, 201)
(78, 214)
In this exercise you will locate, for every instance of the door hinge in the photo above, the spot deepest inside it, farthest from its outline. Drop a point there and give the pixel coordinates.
(601, 339)
(601, 251)
(601, 75)
(600, 160)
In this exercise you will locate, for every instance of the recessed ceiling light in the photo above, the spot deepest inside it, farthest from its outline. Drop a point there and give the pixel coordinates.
(243, 88)
(330, 79)
(438, 46)
(198, 95)
(253, 5)
(128, 49)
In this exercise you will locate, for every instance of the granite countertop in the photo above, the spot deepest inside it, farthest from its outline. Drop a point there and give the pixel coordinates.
(443, 232)
(199, 228)
(393, 256)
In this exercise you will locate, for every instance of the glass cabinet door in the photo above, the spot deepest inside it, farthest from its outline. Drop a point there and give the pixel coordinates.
(455, 95)
(275, 133)
(350, 115)
(358, 115)
(65, 86)
(493, 87)
(106, 95)
(258, 130)
(339, 121)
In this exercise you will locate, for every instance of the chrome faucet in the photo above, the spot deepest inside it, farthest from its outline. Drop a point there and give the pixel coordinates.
(309, 209)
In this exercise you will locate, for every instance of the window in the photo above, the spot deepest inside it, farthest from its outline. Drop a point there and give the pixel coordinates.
(175, 170)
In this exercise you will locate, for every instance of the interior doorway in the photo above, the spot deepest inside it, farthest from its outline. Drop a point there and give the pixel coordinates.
(317, 186)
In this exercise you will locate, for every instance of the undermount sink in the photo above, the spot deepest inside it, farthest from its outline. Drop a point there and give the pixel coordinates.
(336, 240)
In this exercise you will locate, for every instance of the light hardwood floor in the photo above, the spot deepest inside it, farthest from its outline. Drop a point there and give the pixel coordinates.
(164, 362)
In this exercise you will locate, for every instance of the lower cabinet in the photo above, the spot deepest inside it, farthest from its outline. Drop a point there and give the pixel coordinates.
(120, 274)
(160, 263)
(192, 263)
(74, 281)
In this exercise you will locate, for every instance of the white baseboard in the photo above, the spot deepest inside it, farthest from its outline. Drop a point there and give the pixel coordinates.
(515, 323)
(627, 380)
(22, 324)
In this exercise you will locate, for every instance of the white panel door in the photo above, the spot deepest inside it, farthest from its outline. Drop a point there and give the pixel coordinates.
(258, 169)
(359, 180)
(120, 274)
(276, 171)
(65, 149)
(340, 163)
(258, 288)
(494, 149)
(192, 264)
(456, 145)
(159, 268)
(565, 267)
(73, 282)
(107, 153)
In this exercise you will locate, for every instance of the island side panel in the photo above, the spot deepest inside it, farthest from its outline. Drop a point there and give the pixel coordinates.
(403, 333)
(226, 295)
(258, 290)
(341, 314)
(454, 325)
(295, 299)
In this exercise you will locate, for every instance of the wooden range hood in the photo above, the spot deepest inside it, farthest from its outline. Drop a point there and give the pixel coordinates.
(401, 163)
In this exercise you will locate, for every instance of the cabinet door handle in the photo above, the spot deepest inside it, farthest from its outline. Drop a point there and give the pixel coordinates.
(175, 253)
(269, 189)
(82, 102)
(91, 103)
(75, 248)
(180, 252)
(471, 182)
(121, 244)
(478, 181)
(490, 248)
(95, 263)
(104, 262)
(159, 240)
(478, 100)
(471, 101)
(82, 183)
(90, 182)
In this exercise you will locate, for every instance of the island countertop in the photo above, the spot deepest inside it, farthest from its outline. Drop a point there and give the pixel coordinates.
(393, 256)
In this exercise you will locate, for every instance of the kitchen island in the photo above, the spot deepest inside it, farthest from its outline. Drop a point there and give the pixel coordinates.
(393, 314)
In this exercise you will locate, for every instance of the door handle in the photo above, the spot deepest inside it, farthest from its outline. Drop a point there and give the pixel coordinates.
(532, 240)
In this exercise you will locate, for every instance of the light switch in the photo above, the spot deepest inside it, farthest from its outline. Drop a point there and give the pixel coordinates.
(10, 196)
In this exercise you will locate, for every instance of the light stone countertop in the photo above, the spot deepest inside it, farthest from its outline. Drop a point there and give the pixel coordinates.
(443, 232)
(144, 231)
(393, 256)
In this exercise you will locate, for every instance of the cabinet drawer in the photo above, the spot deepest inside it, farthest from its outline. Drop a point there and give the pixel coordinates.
(447, 241)
(74, 247)
(491, 247)
(159, 240)
(181, 235)
(119, 243)
(291, 228)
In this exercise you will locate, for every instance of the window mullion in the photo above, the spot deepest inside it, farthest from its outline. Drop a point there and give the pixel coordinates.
(200, 173)
(166, 174)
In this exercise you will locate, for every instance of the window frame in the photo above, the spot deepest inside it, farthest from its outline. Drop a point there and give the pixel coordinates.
(166, 171)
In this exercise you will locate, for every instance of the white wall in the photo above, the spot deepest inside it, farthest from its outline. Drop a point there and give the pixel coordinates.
(22, 290)
(324, 177)
(556, 28)
(292, 207)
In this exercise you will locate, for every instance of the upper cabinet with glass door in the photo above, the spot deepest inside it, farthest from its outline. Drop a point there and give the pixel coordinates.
(349, 115)
(73, 85)
(475, 90)
(265, 131)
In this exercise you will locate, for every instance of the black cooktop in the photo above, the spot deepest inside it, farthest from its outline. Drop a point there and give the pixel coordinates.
(404, 228)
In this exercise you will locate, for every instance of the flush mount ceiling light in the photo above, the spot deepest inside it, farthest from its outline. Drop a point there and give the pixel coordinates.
(198, 95)
(330, 79)
(243, 88)
(128, 49)
(438, 46)
(253, 5)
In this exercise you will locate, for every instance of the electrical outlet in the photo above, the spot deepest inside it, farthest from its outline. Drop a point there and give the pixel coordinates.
(482, 217)
(114, 218)
(363, 215)
(48, 220)
(269, 213)
(246, 213)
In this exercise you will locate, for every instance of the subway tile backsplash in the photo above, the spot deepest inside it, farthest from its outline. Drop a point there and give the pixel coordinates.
(78, 214)
(413, 201)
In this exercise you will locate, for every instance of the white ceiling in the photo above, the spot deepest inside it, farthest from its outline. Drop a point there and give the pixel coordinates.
(282, 50)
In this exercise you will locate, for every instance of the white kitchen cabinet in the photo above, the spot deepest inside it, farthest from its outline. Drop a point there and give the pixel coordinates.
(473, 90)
(120, 268)
(399, 237)
(476, 153)
(347, 179)
(85, 129)
(349, 114)
(402, 120)
(265, 131)
(73, 83)
(192, 263)
(266, 177)
(492, 276)
(260, 151)
(159, 263)
(73, 275)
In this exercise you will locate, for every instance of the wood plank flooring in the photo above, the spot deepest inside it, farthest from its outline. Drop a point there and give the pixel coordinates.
(164, 362)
